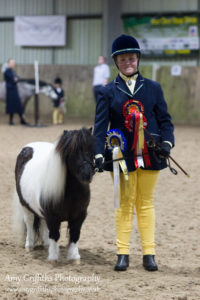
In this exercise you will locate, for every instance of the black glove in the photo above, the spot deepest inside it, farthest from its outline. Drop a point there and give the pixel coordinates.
(99, 164)
(164, 150)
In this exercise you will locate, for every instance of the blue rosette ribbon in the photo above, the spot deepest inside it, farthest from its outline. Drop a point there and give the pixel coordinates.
(116, 143)
(115, 137)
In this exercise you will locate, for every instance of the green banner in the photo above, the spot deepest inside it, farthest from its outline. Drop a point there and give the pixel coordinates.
(164, 35)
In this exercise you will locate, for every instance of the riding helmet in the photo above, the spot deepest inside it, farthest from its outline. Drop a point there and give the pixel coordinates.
(125, 44)
(58, 80)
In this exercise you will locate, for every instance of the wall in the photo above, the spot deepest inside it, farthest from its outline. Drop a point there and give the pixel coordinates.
(84, 31)
(181, 92)
(159, 6)
(83, 45)
(89, 31)
(77, 84)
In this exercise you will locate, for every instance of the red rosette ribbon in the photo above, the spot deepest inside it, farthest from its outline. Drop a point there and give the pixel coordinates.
(135, 121)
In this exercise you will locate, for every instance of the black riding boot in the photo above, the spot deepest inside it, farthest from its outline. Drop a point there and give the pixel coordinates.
(11, 119)
(22, 120)
(122, 262)
(149, 263)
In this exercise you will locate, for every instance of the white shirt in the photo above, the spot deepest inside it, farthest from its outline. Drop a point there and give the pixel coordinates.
(101, 74)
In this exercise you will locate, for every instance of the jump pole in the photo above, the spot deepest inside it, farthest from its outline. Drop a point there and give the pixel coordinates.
(36, 100)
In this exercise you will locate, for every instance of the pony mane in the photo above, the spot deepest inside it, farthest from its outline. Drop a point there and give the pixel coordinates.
(32, 81)
(74, 141)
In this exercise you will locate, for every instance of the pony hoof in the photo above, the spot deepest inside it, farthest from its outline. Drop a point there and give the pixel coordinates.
(75, 261)
(54, 263)
(29, 249)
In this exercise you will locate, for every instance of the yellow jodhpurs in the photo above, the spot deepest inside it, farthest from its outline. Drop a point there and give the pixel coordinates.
(138, 191)
(57, 116)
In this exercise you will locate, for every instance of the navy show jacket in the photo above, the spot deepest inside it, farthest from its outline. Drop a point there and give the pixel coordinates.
(109, 115)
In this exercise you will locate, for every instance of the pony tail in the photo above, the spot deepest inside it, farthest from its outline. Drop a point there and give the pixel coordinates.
(18, 226)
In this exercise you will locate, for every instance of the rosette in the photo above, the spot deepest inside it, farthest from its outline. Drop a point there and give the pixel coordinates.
(115, 138)
(135, 121)
(116, 142)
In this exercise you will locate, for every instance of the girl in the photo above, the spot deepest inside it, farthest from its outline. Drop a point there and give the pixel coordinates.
(129, 104)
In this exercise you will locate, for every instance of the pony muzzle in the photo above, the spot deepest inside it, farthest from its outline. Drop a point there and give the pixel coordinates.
(86, 173)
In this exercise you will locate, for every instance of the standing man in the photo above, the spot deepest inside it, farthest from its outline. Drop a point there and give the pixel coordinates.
(13, 103)
(100, 76)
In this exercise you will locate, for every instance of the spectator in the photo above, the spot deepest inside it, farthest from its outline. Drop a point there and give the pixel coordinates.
(13, 102)
(100, 76)
(59, 104)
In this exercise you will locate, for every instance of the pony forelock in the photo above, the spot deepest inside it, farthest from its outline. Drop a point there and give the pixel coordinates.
(73, 141)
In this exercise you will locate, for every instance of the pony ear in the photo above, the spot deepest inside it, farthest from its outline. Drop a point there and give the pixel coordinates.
(90, 129)
(66, 133)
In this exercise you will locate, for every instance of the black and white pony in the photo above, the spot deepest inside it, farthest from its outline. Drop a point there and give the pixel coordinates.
(52, 183)
(26, 89)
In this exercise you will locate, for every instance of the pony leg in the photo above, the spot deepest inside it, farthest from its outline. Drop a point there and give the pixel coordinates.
(54, 235)
(73, 253)
(30, 234)
(74, 232)
(53, 250)
(44, 233)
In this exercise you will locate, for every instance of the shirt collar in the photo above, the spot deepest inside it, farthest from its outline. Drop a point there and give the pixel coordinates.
(126, 78)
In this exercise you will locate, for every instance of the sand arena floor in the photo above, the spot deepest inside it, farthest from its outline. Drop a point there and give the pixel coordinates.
(30, 276)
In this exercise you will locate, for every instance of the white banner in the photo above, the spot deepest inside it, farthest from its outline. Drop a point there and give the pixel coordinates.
(40, 31)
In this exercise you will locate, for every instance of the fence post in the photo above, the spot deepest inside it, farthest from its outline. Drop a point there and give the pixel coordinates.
(155, 67)
(36, 100)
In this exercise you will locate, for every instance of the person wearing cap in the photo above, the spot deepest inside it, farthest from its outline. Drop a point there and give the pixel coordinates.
(134, 105)
(59, 104)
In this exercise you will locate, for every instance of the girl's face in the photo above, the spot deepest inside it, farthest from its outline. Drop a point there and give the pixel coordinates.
(127, 63)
